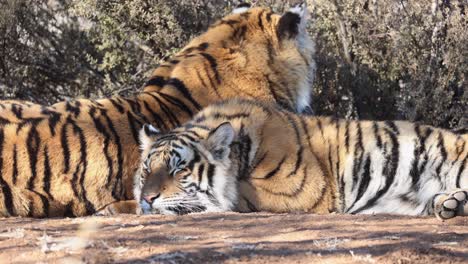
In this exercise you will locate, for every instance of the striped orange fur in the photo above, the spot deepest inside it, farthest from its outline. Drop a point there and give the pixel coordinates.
(248, 156)
(74, 158)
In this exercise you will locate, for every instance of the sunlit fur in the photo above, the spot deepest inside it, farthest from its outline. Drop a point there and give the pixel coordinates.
(76, 157)
(188, 176)
(283, 162)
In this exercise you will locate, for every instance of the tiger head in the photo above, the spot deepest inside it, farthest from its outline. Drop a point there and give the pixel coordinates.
(185, 171)
(252, 52)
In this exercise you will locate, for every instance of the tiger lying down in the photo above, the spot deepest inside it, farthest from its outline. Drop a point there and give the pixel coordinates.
(245, 156)
(76, 157)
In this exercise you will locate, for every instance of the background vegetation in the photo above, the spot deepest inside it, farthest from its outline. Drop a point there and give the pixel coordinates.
(396, 59)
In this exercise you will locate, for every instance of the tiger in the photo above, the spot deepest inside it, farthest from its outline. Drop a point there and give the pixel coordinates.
(78, 157)
(247, 156)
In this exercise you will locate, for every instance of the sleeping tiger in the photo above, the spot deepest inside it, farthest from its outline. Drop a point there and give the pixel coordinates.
(247, 156)
(74, 158)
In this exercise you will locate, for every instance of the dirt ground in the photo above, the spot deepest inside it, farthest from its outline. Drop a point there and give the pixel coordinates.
(235, 238)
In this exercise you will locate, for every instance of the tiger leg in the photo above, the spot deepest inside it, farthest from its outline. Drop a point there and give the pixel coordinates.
(27, 203)
(449, 205)
(120, 207)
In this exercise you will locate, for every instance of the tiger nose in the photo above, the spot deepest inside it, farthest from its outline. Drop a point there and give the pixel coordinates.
(149, 198)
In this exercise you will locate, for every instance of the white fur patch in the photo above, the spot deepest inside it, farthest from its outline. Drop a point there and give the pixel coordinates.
(240, 10)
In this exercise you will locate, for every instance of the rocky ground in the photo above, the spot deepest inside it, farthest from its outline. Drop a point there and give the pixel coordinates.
(235, 238)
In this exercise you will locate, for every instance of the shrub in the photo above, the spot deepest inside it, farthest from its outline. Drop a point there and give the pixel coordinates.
(376, 60)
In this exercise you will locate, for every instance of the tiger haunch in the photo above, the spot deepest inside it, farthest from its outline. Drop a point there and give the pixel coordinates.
(268, 159)
(74, 158)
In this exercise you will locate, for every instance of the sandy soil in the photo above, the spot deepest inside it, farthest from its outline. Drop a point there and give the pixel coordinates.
(235, 238)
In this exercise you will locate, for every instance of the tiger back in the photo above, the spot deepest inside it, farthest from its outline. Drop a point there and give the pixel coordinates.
(248, 156)
(74, 158)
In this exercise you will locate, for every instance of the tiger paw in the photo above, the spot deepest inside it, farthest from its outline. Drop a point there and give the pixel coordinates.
(453, 204)
(121, 207)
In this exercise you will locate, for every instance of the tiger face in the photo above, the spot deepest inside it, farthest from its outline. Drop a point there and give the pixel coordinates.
(177, 177)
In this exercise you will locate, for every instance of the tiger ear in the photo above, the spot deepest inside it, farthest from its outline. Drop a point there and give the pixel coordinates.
(241, 8)
(220, 139)
(293, 23)
(148, 134)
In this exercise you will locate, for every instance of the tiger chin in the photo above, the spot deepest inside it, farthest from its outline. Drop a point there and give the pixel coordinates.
(246, 156)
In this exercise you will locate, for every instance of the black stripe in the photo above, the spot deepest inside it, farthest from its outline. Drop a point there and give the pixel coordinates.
(375, 127)
(392, 126)
(119, 180)
(47, 173)
(298, 162)
(214, 67)
(420, 149)
(443, 154)
(175, 145)
(460, 150)
(65, 147)
(460, 171)
(293, 123)
(32, 145)
(53, 119)
(175, 153)
(15, 165)
(74, 109)
(180, 86)
(297, 190)
(17, 110)
(118, 106)
(358, 155)
(159, 122)
(260, 20)
(203, 46)
(201, 170)
(275, 170)
(6, 191)
(4, 121)
(134, 104)
(320, 127)
(364, 184)
(389, 171)
(306, 131)
(245, 147)
(268, 16)
(167, 111)
(177, 102)
(83, 164)
(210, 174)
(240, 32)
(156, 81)
(338, 160)
(212, 84)
(229, 117)
(300, 150)
(107, 140)
(347, 136)
(133, 127)
(45, 205)
(196, 159)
